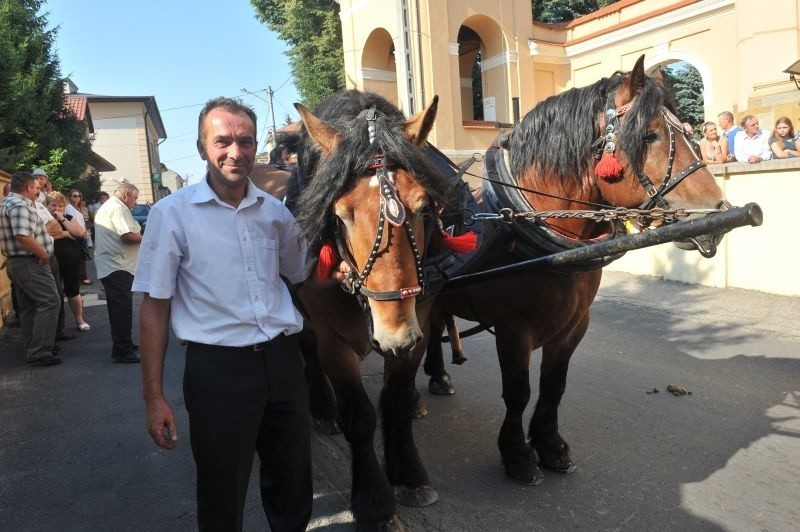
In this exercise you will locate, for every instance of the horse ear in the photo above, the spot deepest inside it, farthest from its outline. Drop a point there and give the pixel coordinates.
(325, 136)
(419, 126)
(632, 84)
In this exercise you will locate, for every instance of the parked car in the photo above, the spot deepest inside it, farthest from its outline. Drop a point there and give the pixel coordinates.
(140, 212)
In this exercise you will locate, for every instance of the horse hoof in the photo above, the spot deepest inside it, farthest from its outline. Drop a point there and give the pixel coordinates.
(441, 387)
(458, 359)
(526, 472)
(325, 426)
(558, 459)
(419, 410)
(392, 525)
(417, 497)
(559, 464)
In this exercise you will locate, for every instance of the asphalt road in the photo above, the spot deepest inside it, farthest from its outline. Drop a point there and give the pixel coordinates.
(74, 455)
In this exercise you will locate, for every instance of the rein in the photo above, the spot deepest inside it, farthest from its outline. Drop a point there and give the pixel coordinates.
(393, 211)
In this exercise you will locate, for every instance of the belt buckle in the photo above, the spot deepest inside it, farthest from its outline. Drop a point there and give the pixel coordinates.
(258, 346)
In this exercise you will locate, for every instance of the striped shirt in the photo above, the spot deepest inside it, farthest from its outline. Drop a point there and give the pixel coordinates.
(18, 217)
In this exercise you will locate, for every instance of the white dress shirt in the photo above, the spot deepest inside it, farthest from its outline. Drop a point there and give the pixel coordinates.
(747, 146)
(221, 265)
(111, 254)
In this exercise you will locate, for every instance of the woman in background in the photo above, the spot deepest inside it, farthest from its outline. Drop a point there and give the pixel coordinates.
(782, 141)
(77, 209)
(69, 254)
(711, 147)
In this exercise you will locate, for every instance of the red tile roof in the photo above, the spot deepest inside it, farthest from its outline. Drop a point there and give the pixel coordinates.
(78, 106)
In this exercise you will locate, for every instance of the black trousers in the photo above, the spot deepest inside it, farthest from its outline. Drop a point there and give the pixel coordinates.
(56, 269)
(119, 301)
(241, 401)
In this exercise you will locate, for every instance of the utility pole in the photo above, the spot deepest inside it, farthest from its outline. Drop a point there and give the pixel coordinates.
(272, 113)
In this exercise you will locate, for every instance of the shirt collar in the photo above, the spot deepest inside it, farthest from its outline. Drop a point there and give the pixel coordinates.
(203, 193)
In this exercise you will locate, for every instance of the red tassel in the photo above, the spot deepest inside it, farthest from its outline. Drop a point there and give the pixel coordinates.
(327, 260)
(609, 168)
(462, 243)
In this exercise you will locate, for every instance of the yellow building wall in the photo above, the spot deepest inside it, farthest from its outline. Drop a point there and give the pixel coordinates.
(740, 48)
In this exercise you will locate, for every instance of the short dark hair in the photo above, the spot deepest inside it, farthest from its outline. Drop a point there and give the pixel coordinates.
(20, 181)
(233, 105)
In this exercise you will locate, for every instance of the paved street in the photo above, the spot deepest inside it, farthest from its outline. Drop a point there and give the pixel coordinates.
(74, 455)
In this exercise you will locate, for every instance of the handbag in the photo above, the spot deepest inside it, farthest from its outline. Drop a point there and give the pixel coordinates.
(87, 253)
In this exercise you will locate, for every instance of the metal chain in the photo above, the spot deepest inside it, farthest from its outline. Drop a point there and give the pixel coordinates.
(603, 215)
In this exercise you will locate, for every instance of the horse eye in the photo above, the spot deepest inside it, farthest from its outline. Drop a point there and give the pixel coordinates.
(651, 137)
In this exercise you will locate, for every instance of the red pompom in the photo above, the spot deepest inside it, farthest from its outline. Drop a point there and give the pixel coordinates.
(609, 168)
(327, 260)
(461, 243)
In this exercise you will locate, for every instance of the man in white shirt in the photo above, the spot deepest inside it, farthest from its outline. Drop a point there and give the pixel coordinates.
(115, 251)
(752, 143)
(211, 263)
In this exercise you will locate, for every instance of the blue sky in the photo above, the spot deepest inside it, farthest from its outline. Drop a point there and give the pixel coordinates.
(182, 52)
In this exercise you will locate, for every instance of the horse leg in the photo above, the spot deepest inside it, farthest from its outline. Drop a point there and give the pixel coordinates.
(322, 402)
(371, 497)
(404, 467)
(456, 349)
(440, 382)
(519, 460)
(552, 449)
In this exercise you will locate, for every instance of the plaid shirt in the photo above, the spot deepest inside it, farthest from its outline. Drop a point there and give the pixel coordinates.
(18, 217)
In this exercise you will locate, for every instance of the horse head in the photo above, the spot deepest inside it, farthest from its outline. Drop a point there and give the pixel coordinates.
(660, 168)
(371, 193)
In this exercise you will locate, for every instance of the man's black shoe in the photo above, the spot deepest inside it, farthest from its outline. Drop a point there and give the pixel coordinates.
(64, 336)
(128, 358)
(46, 360)
(56, 349)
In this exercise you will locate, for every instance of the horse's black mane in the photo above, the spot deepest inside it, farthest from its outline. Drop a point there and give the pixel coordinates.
(556, 136)
(328, 177)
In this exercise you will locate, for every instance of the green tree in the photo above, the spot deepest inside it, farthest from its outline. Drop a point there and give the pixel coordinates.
(312, 30)
(687, 88)
(35, 127)
(552, 11)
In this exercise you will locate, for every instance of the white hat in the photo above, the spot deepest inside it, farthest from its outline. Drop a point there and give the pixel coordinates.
(39, 171)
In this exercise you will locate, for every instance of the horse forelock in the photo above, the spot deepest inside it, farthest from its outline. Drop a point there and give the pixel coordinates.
(330, 176)
(634, 125)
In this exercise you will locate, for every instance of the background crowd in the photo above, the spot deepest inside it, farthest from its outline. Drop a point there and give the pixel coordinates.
(46, 237)
(746, 141)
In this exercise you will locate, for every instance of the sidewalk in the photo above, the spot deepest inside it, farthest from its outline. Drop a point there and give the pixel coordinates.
(758, 311)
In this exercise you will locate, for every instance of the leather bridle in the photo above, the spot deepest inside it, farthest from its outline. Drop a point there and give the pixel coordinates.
(391, 211)
(655, 195)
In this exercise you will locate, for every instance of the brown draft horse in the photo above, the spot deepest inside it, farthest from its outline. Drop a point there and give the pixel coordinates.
(371, 192)
(271, 179)
(553, 154)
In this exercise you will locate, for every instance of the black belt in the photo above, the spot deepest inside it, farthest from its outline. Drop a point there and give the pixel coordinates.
(252, 347)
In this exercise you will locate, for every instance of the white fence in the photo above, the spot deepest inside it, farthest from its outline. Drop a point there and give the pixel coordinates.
(756, 258)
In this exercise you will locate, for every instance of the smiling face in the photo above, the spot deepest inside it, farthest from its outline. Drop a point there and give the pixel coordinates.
(228, 145)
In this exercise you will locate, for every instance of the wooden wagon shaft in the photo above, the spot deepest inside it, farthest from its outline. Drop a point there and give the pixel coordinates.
(749, 214)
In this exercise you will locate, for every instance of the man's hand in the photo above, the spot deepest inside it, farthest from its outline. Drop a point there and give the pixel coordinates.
(161, 423)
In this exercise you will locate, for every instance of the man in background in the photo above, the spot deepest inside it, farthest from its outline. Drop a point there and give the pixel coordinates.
(116, 249)
(729, 131)
(27, 246)
(752, 143)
